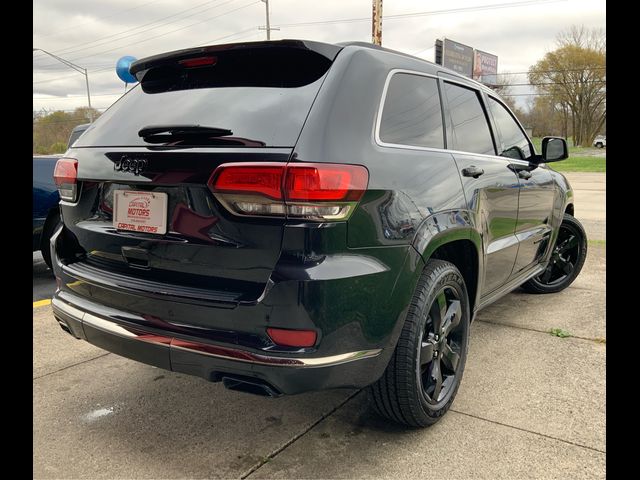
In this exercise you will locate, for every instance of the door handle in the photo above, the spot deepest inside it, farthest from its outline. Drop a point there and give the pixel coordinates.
(472, 171)
(524, 174)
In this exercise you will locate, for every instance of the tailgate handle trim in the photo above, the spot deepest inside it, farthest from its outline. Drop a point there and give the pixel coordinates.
(136, 257)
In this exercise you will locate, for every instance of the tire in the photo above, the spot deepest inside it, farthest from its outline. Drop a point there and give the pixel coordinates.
(566, 261)
(598, 145)
(405, 392)
(50, 227)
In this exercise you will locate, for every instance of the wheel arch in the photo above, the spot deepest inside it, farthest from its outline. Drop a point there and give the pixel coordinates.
(452, 236)
(569, 209)
(51, 218)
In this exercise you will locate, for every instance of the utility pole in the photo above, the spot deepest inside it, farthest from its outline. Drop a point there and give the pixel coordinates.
(268, 28)
(376, 20)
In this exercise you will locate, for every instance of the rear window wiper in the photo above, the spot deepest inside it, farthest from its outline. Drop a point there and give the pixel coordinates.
(183, 130)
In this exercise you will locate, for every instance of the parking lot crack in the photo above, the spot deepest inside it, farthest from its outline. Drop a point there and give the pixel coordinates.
(546, 332)
(70, 366)
(296, 437)
(529, 431)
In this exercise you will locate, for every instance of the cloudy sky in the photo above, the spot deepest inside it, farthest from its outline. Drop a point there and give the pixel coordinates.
(94, 34)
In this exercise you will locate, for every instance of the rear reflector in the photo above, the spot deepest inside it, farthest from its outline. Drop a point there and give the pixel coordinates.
(313, 191)
(292, 338)
(65, 176)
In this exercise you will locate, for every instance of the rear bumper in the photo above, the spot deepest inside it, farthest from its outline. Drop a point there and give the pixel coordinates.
(284, 373)
(355, 300)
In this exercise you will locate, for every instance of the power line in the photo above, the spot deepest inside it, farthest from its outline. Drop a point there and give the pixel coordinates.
(423, 14)
(72, 49)
(72, 75)
(252, 29)
(387, 17)
(112, 67)
(555, 71)
(66, 29)
(166, 33)
(77, 96)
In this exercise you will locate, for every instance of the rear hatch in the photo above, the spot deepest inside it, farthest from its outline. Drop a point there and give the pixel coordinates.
(157, 147)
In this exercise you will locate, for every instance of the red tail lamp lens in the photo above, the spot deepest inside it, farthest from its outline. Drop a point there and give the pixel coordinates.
(66, 171)
(249, 178)
(292, 338)
(325, 182)
(65, 175)
(312, 191)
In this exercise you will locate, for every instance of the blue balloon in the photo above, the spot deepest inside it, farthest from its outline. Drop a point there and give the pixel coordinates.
(122, 69)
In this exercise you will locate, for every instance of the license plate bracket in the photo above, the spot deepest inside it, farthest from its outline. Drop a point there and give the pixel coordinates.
(143, 212)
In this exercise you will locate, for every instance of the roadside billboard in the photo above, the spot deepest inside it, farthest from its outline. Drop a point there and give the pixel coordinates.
(458, 57)
(485, 68)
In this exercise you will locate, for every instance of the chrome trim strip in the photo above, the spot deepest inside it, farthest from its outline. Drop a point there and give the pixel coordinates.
(68, 309)
(108, 326)
(376, 128)
(295, 362)
(217, 351)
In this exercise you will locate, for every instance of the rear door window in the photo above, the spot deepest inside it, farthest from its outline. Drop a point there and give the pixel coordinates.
(469, 123)
(412, 114)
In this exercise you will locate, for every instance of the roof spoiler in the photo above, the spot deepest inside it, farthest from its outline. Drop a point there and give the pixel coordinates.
(326, 50)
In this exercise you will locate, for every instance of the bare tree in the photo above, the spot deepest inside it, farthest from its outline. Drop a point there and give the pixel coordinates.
(574, 78)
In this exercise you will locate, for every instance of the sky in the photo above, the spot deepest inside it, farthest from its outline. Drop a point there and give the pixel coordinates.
(95, 34)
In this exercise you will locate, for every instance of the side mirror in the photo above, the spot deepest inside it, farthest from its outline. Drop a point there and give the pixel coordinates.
(554, 149)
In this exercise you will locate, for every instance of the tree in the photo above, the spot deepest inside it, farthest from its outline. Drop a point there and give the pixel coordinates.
(545, 117)
(573, 77)
(502, 87)
(51, 130)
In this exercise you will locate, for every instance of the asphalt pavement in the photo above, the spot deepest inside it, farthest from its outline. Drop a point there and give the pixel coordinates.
(531, 405)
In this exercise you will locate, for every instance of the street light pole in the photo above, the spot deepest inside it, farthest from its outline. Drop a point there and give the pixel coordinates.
(77, 69)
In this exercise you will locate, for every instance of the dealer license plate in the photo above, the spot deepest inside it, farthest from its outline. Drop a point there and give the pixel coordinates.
(140, 211)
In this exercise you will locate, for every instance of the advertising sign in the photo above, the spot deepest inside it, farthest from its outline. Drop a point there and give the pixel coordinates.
(485, 68)
(458, 57)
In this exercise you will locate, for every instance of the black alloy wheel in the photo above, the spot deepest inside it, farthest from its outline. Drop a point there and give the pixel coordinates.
(441, 346)
(425, 369)
(567, 258)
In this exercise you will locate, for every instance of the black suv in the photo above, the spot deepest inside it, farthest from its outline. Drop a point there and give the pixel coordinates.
(290, 216)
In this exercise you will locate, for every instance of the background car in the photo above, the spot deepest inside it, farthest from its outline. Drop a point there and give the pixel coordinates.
(46, 214)
(76, 132)
(600, 141)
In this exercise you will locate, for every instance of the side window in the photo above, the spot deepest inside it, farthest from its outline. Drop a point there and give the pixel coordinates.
(470, 128)
(514, 142)
(412, 114)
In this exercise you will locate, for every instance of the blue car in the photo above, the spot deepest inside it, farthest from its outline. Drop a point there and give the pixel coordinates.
(46, 214)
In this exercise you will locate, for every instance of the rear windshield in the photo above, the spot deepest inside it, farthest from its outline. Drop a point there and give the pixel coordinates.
(256, 116)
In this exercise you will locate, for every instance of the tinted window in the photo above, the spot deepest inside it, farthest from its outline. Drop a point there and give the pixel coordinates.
(470, 128)
(256, 116)
(412, 114)
(514, 143)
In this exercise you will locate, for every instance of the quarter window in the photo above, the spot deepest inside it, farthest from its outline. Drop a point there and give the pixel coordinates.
(470, 128)
(412, 114)
(514, 143)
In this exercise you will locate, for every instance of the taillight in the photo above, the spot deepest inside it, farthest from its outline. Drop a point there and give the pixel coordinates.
(66, 177)
(312, 191)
